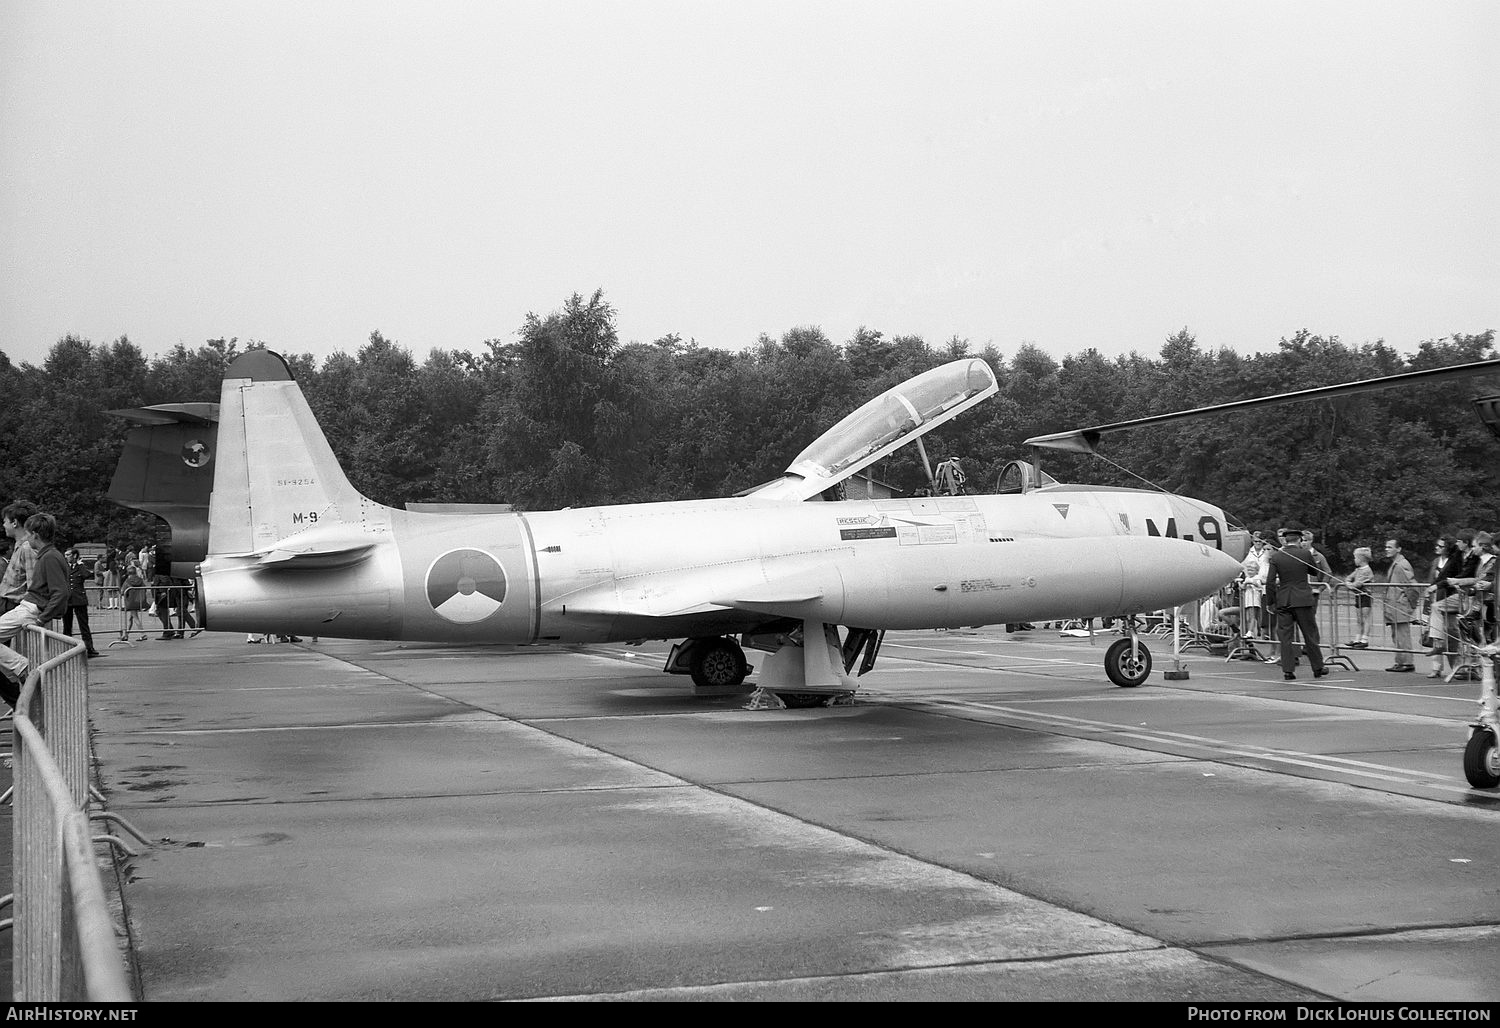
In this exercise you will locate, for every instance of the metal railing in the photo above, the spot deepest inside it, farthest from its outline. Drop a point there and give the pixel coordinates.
(1343, 639)
(64, 947)
(115, 625)
(1459, 646)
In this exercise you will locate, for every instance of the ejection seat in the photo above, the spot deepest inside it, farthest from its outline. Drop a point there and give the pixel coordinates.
(1019, 476)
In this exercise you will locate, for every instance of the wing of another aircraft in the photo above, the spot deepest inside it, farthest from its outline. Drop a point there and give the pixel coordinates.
(882, 426)
(1086, 440)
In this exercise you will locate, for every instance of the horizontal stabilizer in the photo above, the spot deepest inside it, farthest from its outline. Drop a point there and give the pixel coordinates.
(308, 559)
(318, 548)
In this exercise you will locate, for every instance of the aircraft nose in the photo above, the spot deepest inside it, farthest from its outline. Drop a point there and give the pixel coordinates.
(1226, 567)
(1161, 573)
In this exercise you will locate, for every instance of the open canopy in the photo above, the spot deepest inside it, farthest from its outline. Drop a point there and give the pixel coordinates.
(882, 426)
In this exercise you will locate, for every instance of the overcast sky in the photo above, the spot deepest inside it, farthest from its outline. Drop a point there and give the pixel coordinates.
(1069, 174)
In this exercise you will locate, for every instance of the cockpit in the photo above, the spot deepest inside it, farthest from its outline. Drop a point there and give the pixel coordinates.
(1019, 476)
(896, 417)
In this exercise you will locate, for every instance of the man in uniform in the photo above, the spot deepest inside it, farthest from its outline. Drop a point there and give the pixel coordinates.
(1289, 587)
(78, 600)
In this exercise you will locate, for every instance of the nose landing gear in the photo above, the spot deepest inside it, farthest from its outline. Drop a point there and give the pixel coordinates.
(1127, 662)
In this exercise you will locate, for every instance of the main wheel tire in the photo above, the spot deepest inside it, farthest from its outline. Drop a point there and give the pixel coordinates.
(718, 664)
(1127, 668)
(1482, 760)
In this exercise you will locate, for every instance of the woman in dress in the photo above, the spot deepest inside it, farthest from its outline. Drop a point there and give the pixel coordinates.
(1252, 586)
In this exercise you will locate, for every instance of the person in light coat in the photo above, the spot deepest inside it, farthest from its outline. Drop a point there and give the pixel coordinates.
(1401, 596)
(1253, 586)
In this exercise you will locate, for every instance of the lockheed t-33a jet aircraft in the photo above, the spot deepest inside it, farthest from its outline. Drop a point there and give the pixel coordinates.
(294, 548)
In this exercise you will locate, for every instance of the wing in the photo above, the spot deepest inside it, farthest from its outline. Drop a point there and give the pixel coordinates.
(1086, 440)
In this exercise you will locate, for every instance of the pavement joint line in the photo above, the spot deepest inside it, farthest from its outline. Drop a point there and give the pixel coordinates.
(1182, 692)
(981, 653)
(1161, 947)
(1218, 748)
(1109, 726)
(474, 716)
(270, 801)
(1038, 664)
(1394, 692)
(1032, 672)
(1203, 664)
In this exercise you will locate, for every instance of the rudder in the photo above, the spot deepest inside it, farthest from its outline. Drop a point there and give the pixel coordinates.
(276, 474)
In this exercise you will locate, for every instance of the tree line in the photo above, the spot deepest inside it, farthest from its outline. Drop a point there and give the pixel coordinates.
(567, 415)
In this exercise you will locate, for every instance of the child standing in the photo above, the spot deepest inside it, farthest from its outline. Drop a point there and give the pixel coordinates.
(1360, 577)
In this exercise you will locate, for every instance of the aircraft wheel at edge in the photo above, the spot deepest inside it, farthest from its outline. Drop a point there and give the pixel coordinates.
(1125, 670)
(718, 664)
(1482, 760)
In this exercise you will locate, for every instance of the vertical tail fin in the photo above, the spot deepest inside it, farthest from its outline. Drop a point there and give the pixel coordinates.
(166, 468)
(275, 475)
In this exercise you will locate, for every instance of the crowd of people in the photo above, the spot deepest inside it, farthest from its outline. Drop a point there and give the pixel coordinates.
(133, 582)
(40, 584)
(1280, 586)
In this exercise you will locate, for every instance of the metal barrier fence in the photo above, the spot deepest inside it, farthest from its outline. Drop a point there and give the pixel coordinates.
(1460, 658)
(1340, 634)
(1227, 636)
(63, 940)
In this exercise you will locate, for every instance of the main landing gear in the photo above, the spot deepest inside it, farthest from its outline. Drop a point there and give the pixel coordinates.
(807, 665)
(716, 663)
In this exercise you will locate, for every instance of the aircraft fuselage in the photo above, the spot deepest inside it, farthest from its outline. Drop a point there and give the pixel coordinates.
(714, 567)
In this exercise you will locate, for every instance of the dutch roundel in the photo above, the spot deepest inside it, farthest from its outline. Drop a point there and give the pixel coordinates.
(465, 586)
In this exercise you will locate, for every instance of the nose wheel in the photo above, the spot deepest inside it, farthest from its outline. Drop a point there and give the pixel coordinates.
(1127, 663)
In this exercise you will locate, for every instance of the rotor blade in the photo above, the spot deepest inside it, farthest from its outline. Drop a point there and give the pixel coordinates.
(1086, 440)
